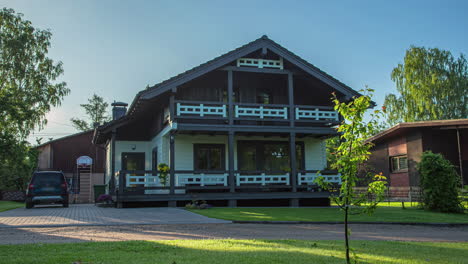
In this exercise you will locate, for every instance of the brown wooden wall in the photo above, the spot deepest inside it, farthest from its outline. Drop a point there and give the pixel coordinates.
(64, 153)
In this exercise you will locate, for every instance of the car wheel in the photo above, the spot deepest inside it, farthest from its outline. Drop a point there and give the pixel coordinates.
(65, 204)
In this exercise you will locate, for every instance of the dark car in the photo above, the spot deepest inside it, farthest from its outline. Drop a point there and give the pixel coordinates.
(47, 187)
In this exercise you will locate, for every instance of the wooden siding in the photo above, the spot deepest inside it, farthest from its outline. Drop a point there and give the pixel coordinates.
(64, 152)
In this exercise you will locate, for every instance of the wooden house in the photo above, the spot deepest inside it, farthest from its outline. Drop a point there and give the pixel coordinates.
(247, 127)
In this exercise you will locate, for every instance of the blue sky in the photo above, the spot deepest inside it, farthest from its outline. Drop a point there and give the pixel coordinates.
(116, 48)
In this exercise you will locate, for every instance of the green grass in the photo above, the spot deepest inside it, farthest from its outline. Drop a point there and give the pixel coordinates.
(382, 214)
(233, 251)
(7, 205)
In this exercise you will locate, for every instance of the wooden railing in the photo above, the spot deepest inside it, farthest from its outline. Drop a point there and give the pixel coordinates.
(129, 181)
(260, 63)
(262, 179)
(260, 111)
(250, 111)
(309, 177)
(317, 113)
(202, 179)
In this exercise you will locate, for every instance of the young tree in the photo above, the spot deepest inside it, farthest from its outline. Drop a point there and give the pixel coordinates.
(96, 110)
(432, 85)
(28, 90)
(350, 156)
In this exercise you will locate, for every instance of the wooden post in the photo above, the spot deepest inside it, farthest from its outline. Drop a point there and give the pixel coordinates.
(460, 157)
(230, 99)
(291, 100)
(172, 162)
(292, 158)
(172, 112)
(232, 182)
(122, 176)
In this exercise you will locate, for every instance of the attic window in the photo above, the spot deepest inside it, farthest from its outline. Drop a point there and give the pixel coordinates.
(260, 63)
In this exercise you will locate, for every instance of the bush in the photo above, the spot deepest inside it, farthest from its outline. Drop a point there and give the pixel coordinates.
(439, 183)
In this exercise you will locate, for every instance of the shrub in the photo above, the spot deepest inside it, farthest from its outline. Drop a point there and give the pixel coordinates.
(439, 183)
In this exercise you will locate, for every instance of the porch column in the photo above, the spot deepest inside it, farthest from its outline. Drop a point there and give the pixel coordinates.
(292, 155)
(232, 181)
(230, 99)
(291, 100)
(172, 162)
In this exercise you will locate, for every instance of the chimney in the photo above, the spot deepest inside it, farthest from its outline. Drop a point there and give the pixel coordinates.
(118, 110)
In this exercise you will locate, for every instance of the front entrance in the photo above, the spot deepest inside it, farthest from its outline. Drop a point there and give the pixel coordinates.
(133, 161)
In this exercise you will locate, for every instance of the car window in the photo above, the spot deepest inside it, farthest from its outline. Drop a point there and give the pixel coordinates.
(48, 178)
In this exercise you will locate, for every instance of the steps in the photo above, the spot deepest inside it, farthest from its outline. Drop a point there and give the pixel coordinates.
(86, 194)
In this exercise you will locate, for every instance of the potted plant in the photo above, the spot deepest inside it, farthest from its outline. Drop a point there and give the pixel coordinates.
(104, 200)
(163, 170)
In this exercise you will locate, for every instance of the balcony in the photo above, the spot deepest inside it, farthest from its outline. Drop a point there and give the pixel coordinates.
(257, 112)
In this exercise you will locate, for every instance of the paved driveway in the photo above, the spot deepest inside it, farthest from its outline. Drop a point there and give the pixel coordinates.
(87, 215)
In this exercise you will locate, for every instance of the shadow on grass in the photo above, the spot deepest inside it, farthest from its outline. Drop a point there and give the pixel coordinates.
(231, 251)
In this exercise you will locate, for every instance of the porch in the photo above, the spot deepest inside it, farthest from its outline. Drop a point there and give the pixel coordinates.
(145, 186)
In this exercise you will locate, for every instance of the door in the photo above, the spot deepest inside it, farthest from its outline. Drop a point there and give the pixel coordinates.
(134, 161)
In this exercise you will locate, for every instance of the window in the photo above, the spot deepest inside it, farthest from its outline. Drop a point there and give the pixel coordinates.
(399, 163)
(209, 157)
(268, 156)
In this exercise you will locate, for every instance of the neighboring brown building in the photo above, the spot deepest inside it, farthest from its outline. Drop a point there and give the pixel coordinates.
(61, 155)
(398, 149)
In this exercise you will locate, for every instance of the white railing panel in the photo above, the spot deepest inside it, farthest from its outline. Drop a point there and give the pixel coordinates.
(309, 178)
(262, 179)
(201, 110)
(146, 180)
(202, 179)
(316, 114)
(261, 112)
(260, 63)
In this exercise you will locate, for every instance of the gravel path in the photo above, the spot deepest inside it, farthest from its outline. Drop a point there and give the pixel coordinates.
(237, 231)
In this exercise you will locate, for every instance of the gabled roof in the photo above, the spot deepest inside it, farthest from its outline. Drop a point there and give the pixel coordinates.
(260, 43)
(65, 137)
(403, 127)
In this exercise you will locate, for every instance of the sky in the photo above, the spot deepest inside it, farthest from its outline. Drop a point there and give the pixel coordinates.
(115, 48)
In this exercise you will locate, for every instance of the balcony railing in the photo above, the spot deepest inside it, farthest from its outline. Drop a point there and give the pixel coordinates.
(259, 112)
(202, 109)
(316, 113)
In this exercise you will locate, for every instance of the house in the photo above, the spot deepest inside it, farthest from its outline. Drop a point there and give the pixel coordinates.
(245, 128)
(81, 162)
(397, 150)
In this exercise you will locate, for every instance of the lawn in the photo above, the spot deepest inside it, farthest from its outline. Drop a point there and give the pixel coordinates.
(7, 205)
(382, 214)
(233, 251)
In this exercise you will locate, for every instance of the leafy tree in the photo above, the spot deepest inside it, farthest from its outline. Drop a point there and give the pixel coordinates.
(96, 112)
(27, 75)
(19, 160)
(432, 85)
(350, 156)
(439, 182)
(28, 90)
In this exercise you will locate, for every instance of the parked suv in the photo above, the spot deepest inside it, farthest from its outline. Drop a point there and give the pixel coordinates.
(47, 187)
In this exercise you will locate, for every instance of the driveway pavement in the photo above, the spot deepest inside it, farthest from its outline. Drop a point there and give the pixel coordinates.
(87, 215)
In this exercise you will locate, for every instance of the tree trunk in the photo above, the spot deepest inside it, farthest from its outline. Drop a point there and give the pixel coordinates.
(348, 261)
